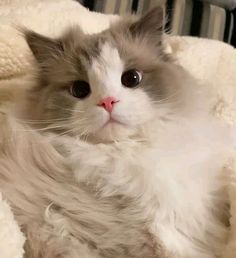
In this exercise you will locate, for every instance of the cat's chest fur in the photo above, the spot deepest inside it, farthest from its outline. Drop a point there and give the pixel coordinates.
(180, 197)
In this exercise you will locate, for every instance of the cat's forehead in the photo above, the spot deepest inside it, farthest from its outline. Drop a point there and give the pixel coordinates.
(108, 58)
(98, 55)
(115, 50)
(106, 68)
(101, 46)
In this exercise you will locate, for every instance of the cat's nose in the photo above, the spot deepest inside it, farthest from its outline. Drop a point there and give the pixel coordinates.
(108, 103)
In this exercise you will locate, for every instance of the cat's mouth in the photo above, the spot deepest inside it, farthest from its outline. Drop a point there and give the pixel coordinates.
(112, 121)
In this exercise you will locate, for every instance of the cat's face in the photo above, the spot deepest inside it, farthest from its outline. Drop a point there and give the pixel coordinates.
(106, 86)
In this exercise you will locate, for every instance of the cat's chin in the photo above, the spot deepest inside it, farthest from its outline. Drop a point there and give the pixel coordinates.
(112, 132)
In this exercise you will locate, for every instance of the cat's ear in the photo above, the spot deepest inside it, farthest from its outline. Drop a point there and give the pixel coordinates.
(43, 48)
(151, 25)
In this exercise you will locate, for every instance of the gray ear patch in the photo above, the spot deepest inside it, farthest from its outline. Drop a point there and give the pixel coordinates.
(151, 24)
(42, 47)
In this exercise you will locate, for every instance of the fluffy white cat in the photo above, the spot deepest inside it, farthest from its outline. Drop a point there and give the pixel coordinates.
(134, 129)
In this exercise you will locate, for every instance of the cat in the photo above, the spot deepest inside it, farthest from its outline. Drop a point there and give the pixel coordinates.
(134, 134)
(60, 217)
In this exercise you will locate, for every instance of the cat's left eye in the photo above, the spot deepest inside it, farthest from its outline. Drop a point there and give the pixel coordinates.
(80, 89)
(131, 78)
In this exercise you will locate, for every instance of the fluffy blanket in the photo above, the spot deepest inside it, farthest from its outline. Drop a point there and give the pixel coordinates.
(211, 62)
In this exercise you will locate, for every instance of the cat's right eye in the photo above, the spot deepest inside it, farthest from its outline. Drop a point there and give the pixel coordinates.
(80, 89)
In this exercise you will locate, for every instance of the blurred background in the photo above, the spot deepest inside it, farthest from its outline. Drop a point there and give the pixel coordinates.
(215, 19)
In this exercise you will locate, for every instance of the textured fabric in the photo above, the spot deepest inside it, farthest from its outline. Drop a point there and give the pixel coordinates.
(11, 239)
(213, 63)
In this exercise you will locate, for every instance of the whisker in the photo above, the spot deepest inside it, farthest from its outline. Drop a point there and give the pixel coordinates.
(68, 109)
(42, 129)
(72, 130)
(43, 121)
(168, 100)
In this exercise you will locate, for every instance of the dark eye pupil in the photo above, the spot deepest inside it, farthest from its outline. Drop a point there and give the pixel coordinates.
(80, 89)
(131, 78)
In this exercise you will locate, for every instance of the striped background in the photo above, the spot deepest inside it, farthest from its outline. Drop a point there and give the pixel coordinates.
(185, 17)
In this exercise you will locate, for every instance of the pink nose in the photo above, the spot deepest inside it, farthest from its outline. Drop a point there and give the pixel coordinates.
(108, 103)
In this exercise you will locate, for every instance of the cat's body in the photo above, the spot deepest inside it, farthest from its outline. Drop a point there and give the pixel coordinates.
(181, 190)
(137, 144)
(59, 217)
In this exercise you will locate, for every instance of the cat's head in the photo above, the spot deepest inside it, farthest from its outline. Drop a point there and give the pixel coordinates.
(105, 86)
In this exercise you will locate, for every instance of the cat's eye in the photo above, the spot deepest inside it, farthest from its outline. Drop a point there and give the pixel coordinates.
(131, 78)
(80, 89)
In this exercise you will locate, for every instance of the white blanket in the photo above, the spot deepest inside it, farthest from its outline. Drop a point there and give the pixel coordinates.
(212, 62)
